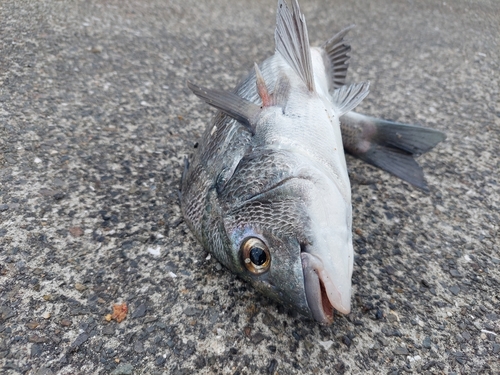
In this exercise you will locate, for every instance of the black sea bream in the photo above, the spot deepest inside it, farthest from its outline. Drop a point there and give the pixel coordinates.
(267, 191)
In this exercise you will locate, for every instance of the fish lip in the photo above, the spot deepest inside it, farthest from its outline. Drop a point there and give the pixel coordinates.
(319, 290)
(321, 308)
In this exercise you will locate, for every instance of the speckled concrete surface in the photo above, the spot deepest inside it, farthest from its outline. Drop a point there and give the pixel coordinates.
(95, 120)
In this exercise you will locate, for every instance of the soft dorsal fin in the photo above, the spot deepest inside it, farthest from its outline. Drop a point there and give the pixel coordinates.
(337, 53)
(292, 41)
(347, 98)
(231, 104)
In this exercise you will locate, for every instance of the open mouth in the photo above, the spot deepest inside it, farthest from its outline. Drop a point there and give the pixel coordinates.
(321, 294)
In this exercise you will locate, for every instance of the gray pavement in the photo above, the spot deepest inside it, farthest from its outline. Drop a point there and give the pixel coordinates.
(95, 120)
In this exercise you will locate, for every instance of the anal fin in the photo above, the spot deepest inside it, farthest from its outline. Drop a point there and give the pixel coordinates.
(347, 98)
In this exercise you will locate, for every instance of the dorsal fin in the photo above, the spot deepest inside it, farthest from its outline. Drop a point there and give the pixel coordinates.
(262, 87)
(292, 41)
(337, 52)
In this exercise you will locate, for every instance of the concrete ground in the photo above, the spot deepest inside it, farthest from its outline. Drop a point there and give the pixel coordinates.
(95, 120)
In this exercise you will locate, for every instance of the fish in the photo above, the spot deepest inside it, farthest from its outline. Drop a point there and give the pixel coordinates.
(267, 191)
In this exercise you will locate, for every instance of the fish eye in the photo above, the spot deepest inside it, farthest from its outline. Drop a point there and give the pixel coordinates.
(255, 255)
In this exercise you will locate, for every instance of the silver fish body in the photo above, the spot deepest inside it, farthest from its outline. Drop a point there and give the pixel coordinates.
(267, 191)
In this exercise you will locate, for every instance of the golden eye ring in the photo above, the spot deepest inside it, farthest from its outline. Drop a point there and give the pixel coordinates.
(255, 255)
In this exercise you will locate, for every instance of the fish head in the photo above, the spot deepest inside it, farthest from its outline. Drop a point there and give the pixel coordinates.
(270, 262)
(291, 243)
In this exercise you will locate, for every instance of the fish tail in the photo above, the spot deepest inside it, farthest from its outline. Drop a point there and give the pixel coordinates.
(388, 145)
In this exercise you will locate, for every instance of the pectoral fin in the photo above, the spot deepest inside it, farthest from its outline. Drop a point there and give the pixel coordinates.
(230, 103)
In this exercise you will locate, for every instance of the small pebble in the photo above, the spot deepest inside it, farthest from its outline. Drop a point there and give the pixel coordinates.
(347, 341)
(466, 335)
(139, 347)
(108, 330)
(32, 325)
(123, 369)
(83, 337)
(258, 337)
(427, 343)
(154, 251)
(192, 311)
(76, 231)
(390, 270)
(65, 322)
(455, 273)
(247, 330)
(272, 348)
(160, 360)
(392, 317)
(455, 289)
(140, 311)
(272, 367)
(413, 359)
(400, 350)
(96, 49)
(46, 315)
(44, 371)
(80, 287)
(326, 344)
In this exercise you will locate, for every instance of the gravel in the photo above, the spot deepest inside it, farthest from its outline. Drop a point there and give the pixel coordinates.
(95, 122)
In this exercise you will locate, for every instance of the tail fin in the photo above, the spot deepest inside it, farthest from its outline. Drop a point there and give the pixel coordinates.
(389, 145)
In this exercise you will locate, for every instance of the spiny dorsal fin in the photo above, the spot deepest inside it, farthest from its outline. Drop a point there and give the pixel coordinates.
(337, 52)
(231, 104)
(279, 96)
(292, 41)
(347, 98)
(262, 87)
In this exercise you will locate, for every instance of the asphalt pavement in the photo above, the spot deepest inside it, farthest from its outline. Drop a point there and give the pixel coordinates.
(95, 121)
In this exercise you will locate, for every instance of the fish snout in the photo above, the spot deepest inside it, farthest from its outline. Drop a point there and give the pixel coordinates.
(322, 293)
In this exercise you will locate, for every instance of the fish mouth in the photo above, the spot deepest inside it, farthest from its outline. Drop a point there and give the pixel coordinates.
(321, 294)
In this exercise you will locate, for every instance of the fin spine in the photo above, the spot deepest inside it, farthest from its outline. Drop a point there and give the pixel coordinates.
(292, 41)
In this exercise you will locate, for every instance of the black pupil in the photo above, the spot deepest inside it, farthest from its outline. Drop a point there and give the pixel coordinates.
(258, 256)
